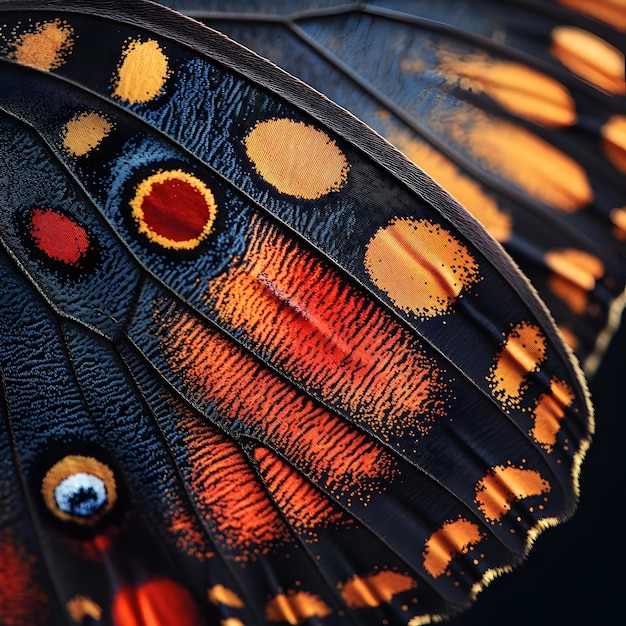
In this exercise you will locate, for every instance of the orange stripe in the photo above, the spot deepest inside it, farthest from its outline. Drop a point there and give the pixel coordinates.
(328, 336)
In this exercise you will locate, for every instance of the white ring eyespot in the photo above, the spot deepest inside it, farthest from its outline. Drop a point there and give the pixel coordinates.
(80, 489)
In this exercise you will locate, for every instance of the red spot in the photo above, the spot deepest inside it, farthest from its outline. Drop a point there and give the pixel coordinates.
(175, 197)
(58, 236)
(159, 602)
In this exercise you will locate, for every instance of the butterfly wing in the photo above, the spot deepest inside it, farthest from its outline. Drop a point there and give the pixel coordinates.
(257, 367)
(515, 111)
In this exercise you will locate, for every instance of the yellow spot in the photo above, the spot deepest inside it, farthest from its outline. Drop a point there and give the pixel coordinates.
(45, 47)
(590, 57)
(84, 132)
(231, 621)
(525, 159)
(618, 219)
(518, 88)
(465, 189)
(223, 595)
(503, 485)
(294, 607)
(296, 159)
(80, 607)
(549, 411)
(142, 72)
(373, 590)
(614, 141)
(575, 275)
(454, 538)
(75, 464)
(420, 266)
(610, 11)
(523, 350)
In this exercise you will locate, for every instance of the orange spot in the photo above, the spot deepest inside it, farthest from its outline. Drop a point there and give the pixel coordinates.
(614, 141)
(526, 160)
(183, 525)
(22, 601)
(296, 159)
(518, 88)
(222, 595)
(174, 209)
(231, 621)
(247, 394)
(328, 336)
(503, 485)
(420, 266)
(569, 337)
(294, 607)
(80, 607)
(159, 602)
(84, 132)
(304, 506)
(45, 47)
(523, 350)
(590, 57)
(609, 11)
(576, 275)
(549, 411)
(465, 189)
(453, 538)
(142, 72)
(618, 218)
(373, 590)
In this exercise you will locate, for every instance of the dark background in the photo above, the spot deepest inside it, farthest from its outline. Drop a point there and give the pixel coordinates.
(575, 573)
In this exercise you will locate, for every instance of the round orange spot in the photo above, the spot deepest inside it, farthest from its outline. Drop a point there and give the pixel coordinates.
(296, 159)
(45, 46)
(84, 132)
(142, 72)
(159, 602)
(420, 266)
(174, 209)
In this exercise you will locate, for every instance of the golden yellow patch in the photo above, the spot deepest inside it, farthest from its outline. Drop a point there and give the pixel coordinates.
(223, 595)
(610, 11)
(231, 621)
(84, 132)
(69, 466)
(296, 159)
(590, 57)
(549, 411)
(142, 72)
(45, 47)
(373, 590)
(618, 219)
(503, 485)
(531, 163)
(614, 141)
(518, 88)
(80, 607)
(523, 350)
(294, 607)
(455, 537)
(465, 189)
(420, 266)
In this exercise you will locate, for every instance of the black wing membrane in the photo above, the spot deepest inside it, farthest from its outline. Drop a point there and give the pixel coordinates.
(257, 367)
(515, 108)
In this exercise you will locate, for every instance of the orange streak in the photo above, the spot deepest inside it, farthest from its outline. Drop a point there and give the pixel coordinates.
(614, 141)
(549, 411)
(373, 590)
(294, 607)
(328, 336)
(610, 11)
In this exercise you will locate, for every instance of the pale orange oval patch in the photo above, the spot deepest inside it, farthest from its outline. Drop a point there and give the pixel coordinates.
(454, 538)
(420, 266)
(590, 57)
(549, 411)
(503, 485)
(45, 47)
(373, 590)
(294, 607)
(296, 159)
(518, 88)
(523, 350)
(80, 607)
(219, 594)
(614, 141)
(84, 132)
(142, 72)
